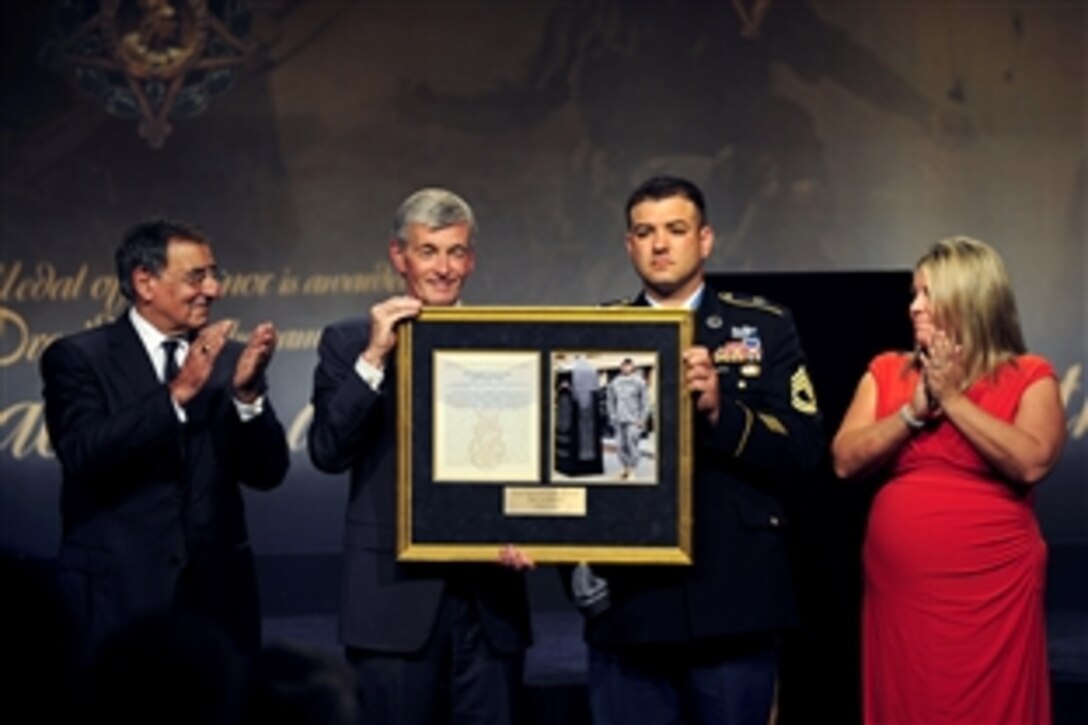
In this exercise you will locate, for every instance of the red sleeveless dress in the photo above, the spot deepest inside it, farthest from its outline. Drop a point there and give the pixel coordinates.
(953, 622)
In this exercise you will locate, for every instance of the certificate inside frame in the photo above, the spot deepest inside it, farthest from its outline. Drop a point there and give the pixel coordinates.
(552, 518)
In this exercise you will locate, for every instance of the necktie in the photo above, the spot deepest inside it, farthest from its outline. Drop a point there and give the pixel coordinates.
(170, 364)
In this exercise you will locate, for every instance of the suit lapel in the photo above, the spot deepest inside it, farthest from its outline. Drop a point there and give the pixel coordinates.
(130, 365)
(129, 360)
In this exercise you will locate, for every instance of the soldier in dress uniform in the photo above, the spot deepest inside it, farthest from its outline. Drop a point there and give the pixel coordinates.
(701, 640)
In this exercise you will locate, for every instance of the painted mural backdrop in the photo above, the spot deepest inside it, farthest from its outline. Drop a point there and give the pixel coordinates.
(829, 136)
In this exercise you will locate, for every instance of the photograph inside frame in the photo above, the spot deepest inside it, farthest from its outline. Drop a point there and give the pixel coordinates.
(604, 417)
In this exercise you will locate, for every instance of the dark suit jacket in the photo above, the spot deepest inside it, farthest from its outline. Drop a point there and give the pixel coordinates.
(388, 606)
(147, 502)
(767, 439)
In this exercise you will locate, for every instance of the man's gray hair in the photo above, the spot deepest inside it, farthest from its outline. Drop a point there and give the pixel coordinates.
(434, 208)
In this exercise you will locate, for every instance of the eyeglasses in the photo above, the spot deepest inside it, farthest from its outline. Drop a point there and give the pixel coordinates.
(196, 277)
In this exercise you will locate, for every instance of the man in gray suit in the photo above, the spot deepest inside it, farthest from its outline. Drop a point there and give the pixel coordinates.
(429, 643)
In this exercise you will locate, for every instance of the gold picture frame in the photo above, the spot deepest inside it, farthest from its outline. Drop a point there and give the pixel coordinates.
(566, 431)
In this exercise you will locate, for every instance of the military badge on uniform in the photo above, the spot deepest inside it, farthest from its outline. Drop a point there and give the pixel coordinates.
(731, 352)
(745, 349)
(802, 394)
(741, 332)
(750, 370)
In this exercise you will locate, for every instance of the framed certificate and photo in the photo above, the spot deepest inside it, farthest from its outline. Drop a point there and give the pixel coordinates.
(563, 430)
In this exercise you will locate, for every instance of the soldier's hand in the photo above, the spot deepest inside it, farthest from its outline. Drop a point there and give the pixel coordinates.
(384, 317)
(701, 379)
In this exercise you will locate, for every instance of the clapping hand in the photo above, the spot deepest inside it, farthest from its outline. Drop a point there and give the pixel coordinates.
(942, 368)
(198, 365)
(249, 372)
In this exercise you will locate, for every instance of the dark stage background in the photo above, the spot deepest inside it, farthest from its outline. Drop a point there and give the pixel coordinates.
(831, 136)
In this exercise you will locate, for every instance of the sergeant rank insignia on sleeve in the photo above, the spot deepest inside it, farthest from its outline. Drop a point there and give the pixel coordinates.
(802, 394)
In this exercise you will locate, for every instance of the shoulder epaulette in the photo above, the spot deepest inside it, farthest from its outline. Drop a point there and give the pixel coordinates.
(751, 302)
(620, 302)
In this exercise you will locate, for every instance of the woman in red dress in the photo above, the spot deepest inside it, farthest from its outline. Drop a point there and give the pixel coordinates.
(960, 431)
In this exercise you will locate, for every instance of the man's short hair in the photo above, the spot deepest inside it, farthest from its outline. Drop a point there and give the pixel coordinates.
(144, 247)
(434, 208)
(664, 187)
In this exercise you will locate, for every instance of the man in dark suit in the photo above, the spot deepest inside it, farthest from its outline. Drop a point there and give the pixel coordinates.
(700, 640)
(157, 419)
(430, 643)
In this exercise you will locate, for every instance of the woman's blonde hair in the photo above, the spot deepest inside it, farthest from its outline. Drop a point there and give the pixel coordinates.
(972, 300)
